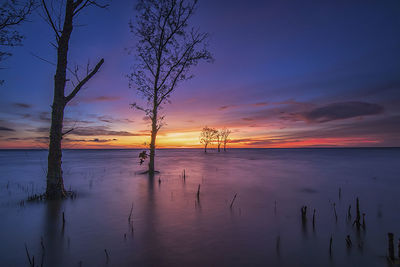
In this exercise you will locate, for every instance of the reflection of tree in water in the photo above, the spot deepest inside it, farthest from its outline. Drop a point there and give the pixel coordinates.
(53, 234)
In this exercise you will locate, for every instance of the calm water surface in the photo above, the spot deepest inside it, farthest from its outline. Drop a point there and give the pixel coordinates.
(171, 227)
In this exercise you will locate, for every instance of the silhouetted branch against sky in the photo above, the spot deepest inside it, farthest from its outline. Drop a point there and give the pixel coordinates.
(167, 48)
(12, 14)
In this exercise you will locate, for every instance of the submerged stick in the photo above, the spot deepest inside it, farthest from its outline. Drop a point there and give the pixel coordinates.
(334, 209)
(391, 246)
(349, 213)
(27, 254)
(358, 217)
(313, 219)
(348, 241)
(107, 257)
(130, 213)
(198, 192)
(233, 200)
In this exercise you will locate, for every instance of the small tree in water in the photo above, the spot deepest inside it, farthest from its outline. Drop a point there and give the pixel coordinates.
(225, 136)
(207, 136)
(166, 50)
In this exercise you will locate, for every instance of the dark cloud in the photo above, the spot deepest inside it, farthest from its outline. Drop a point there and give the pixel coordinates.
(101, 131)
(343, 110)
(102, 99)
(95, 140)
(22, 105)
(6, 129)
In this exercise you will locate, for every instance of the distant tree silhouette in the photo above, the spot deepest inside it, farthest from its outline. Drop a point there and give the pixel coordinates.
(207, 136)
(218, 139)
(166, 50)
(225, 136)
(12, 14)
(62, 25)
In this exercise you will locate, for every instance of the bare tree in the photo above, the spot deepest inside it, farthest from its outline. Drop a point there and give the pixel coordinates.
(62, 25)
(218, 139)
(225, 136)
(207, 136)
(12, 14)
(166, 51)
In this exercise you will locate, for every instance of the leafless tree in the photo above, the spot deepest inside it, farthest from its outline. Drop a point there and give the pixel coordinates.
(12, 14)
(218, 139)
(225, 136)
(61, 19)
(207, 136)
(166, 50)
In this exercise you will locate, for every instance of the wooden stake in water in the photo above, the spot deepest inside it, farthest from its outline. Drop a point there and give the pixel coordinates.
(349, 213)
(27, 254)
(313, 219)
(184, 174)
(330, 246)
(130, 213)
(391, 246)
(198, 192)
(334, 209)
(107, 257)
(358, 217)
(233, 200)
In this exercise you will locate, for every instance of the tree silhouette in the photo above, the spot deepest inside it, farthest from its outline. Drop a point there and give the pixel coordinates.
(207, 136)
(166, 51)
(225, 136)
(12, 14)
(62, 25)
(218, 139)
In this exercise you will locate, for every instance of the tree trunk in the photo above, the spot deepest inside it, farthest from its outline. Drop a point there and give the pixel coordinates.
(219, 147)
(153, 141)
(55, 183)
(205, 148)
(224, 147)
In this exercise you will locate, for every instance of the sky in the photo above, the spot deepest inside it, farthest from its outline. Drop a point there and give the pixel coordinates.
(286, 74)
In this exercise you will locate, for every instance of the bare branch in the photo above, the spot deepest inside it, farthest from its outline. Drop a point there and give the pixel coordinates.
(84, 81)
(50, 20)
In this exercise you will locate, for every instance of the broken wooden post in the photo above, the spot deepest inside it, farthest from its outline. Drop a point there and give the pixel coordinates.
(358, 217)
(313, 219)
(304, 212)
(233, 200)
(391, 246)
(334, 209)
(348, 241)
(198, 192)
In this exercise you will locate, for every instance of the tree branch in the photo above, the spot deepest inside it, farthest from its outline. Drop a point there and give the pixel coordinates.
(84, 81)
(51, 21)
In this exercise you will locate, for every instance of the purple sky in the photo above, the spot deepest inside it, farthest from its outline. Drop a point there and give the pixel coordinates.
(286, 74)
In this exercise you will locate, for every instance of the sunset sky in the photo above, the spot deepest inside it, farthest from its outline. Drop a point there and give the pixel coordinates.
(286, 74)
